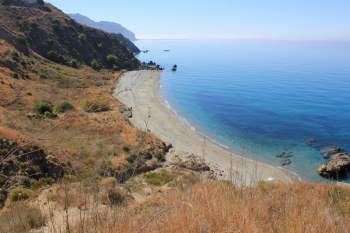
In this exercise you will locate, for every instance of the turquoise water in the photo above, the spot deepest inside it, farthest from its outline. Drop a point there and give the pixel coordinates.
(260, 97)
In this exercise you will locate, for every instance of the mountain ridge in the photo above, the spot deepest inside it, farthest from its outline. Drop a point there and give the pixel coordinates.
(107, 26)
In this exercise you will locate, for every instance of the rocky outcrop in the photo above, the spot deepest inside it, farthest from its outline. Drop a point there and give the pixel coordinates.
(337, 167)
(329, 151)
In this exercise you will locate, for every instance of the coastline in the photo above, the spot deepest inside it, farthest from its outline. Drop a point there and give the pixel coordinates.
(143, 96)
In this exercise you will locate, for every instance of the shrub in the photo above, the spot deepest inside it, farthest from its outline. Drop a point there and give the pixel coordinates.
(159, 179)
(99, 47)
(65, 106)
(109, 182)
(55, 57)
(112, 60)
(42, 76)
(82, 38)
(21, 219)
(21, 40)
(15, 75)
(4, 152)
(43, 107)
(159, 156)
(40, 2)
(50, 115)
(17, 195)
(113, 197)
(74, 63)
(126, 149)
(95, 105)
(55, 27)
(95, 65)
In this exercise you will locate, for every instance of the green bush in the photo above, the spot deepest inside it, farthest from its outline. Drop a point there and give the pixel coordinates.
(74, 63)
(15, 75)
(126, 149)
(95, 65)
(82, 38)
(55, 27)
(95, 105)
(43, 107)
(65, 106)
(159, 179)
(17, 195)
(115, 196)
(40, 2)
(160, 157)
(50, 115)
(55, 57)
(21, 40)
(99, 47)
(42, 76)
(112, 59)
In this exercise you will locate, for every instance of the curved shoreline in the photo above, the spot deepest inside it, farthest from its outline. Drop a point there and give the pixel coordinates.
(145, 100)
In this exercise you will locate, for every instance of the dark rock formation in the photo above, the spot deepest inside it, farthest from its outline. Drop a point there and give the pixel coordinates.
(336, 168)
(329, 151)
(280, 154)
(284, 162)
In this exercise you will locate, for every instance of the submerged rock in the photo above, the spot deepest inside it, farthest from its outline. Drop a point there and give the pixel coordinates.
(288, 155)
(284, 162)
(336, 168)
(329, 151)
(313, 143)
(280, 154)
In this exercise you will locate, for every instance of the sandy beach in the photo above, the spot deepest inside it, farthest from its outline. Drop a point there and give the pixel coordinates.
(143, 96)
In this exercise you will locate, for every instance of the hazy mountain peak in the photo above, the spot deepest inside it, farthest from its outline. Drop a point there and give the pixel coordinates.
(107, 26)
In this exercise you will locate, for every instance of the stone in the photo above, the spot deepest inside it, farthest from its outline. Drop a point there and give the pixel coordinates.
(284, 162)
(337, 167)
(329, 151)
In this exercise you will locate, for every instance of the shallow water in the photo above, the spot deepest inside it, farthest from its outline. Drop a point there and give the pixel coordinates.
(260, 97)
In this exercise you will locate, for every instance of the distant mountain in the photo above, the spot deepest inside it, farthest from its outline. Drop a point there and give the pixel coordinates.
(110, 27)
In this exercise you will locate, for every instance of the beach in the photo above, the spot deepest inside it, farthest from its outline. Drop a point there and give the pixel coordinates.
(139, 90)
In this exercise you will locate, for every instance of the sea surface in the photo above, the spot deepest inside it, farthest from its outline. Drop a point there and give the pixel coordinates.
(259, 98)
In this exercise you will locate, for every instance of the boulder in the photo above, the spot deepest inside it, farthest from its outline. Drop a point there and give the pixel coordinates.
(336, 168)
(284, 162)
(329, 151)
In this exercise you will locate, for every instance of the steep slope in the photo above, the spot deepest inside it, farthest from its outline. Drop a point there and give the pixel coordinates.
(52, 34)
(104, 25)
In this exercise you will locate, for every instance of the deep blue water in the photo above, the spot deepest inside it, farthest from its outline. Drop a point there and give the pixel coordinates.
(260, 97)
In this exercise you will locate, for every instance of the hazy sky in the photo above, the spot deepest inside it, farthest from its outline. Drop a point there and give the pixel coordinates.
(276, 19)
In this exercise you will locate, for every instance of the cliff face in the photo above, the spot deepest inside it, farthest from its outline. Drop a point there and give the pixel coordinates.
(110, 27)
(52, 34)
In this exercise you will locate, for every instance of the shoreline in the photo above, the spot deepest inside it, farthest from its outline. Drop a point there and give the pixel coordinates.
(144, 98)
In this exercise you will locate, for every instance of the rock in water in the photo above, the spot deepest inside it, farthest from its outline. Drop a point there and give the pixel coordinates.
(284, 162)
(336, 168)
(329, 151)
(280, 154)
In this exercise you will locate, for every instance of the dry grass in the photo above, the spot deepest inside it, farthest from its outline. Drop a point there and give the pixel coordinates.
(210, 206)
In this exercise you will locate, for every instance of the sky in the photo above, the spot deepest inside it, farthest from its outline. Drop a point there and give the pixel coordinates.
(221, 19)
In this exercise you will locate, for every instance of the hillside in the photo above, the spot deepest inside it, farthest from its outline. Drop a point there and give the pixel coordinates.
(110, 27)
(52, 34)
(71, 161)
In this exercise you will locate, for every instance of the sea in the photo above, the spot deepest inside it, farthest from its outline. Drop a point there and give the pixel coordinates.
(258, 98)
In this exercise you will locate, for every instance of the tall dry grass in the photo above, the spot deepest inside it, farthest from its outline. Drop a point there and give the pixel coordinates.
(212, 206)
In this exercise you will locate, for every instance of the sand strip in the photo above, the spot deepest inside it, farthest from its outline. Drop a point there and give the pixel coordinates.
(145, 101)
